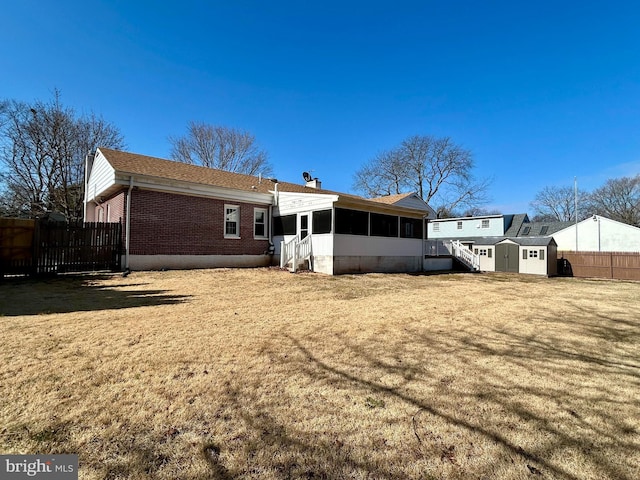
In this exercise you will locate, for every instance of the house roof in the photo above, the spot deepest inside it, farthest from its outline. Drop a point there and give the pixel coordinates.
(516, 222)
(137, 164)
(537, 241)
(392, 199)
(532, 229)
(151, 167)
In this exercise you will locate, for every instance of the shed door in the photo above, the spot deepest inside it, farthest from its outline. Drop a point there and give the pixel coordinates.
(507, 257)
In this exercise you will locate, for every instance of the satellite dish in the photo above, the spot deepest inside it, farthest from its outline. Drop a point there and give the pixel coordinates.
(306, 176)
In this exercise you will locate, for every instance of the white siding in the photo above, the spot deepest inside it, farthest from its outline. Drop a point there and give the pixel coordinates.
(357, 245)
(414, 201)
(289, 203)
(471, 227)
(534, 265)
(599, 234)
(487, 263)
(101, 178)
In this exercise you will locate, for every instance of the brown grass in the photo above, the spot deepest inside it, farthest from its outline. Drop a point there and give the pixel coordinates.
(265, 374)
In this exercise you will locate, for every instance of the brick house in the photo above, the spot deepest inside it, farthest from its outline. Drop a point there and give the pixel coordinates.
(177, 215)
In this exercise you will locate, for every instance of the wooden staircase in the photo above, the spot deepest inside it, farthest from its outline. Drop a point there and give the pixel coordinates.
(296, 254)
(465, 256)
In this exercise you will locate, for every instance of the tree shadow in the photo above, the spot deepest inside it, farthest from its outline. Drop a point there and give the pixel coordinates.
(77, 293)
(585, 418)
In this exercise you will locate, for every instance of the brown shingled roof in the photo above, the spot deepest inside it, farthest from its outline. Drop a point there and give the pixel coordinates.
(391, 199)
(144, 165)
(136, 164)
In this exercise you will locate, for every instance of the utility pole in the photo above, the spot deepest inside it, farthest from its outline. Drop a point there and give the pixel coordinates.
(575, 199)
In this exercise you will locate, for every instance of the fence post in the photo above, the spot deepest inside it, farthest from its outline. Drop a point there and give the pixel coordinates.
(611, 263)
(35, 249)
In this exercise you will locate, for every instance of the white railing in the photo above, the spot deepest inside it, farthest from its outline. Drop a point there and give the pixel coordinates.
(287, 251)
(463, 253)
(295, 251)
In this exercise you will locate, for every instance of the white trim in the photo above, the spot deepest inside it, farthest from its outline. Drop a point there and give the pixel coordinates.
(237, 221)
(186, 188)
(266, 223)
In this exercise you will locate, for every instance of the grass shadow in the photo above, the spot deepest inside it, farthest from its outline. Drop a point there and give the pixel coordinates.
(77, 293)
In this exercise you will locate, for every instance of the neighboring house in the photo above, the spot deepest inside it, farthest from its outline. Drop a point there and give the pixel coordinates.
(517, 225)
(177, 215)
(503, 243)
(599, 234)
(469, 227)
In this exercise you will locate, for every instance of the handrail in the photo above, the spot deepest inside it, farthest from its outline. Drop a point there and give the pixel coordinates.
(465, 255)
(287, 251)
(294, 251)
(303, 251)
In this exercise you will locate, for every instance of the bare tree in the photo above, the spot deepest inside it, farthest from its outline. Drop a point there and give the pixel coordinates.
(558, 204)
(220, 147)
(618, 199)
(383, 175)
(436, 168)
(42, 152)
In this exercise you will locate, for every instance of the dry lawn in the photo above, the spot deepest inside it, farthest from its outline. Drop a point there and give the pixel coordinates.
(264, 374)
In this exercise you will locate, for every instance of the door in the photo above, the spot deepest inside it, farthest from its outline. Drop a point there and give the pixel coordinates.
(304, 225)
(507, 257)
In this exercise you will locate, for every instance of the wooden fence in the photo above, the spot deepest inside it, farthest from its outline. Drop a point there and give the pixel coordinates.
(37, 247)
(614, 265)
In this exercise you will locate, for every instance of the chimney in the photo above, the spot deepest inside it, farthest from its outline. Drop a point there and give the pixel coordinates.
(314, 183)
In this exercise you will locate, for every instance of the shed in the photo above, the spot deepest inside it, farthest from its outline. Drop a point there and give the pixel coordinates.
(533, 255)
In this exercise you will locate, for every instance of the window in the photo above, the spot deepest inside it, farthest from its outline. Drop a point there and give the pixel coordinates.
(490, 252)
(286, 225)
(524, 254)
(476, 251)
(483, 252)
(533, 254)
(436, 227)
(485, 223)
(544, 230)
(526, 231)
(352, 222)
(321, 222)
(384, 225)
(259, 223)
(232, 221)
(459, 225)
(541, 254)
(411, 227)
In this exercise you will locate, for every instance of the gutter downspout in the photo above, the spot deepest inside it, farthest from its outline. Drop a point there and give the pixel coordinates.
(127, 234)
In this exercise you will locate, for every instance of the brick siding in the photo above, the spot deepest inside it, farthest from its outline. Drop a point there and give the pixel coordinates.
(172, 224)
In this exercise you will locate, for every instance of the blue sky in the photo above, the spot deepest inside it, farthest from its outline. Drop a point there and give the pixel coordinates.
(540, 92)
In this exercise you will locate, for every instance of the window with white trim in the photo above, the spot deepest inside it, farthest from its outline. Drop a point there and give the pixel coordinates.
(459, 225)
(231, 221)
(260, 223)
(485, 223)
(436, 227)
(533, 254)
